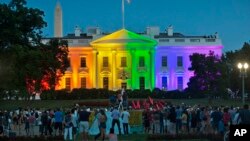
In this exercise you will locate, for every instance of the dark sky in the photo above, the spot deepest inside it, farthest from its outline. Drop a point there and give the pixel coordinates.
(230, 18)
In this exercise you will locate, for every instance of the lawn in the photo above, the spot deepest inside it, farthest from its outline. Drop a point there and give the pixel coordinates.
(13, 104)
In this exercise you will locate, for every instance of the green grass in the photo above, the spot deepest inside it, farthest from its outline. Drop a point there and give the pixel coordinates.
(13, 104)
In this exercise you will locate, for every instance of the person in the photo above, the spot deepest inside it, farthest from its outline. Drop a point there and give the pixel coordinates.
(120, 100)
(244, 115)
(32, 120)
(1, 123)
(216, 117)
(125, 99)
(184, 121)
(161, 117)
(44, 123)
(178, 118)
(112, 135)
(116, 115)
(125, 119)
(84, 122)
(102, 125)
(27, 124)
(15, 121)
(68, 126)
(58, 121)
(172, 121)
(74, 122)
(1, 130)
(226, 117)
(50, 123)
(236, 120)
(146, 121)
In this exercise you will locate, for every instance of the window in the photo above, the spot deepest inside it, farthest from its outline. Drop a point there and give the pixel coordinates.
(164, 81)
(180, 83)
(67, 83)
(83, 62)
(179, 40)
(142, 83)
(105, 62)
(83, 82)
(123, 62)
(194, 40)
(164, 61)
(163, 40)
(141, 61)
(179, 61)
(105, 82)
(210, 40)
(124, 85)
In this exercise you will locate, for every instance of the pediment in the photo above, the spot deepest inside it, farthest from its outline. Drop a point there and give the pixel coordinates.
(124, 37)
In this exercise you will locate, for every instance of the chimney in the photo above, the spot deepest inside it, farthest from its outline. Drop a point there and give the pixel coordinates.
(78, 31)
(170, 30)
(152, 31)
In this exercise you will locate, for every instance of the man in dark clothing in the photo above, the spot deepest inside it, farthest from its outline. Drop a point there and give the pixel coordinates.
(216, 117)
(245, 115)
(44, 120)
(84, 122)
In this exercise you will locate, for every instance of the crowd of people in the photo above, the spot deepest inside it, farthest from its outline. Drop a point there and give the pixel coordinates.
(172, 119)
(67, 123)
(194, 120)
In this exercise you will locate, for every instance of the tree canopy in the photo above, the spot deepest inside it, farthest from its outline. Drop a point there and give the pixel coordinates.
(26, 64)
(209, 75)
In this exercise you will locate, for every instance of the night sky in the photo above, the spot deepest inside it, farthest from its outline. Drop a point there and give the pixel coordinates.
(230, 18)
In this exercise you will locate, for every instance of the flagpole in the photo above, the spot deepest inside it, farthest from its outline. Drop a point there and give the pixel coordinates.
(123, 19)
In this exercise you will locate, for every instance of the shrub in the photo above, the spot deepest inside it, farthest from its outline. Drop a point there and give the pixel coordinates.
(77, 94)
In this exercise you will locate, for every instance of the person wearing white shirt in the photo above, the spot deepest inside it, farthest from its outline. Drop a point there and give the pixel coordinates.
(125, 119)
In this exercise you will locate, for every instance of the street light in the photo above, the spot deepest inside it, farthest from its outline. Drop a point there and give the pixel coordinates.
(243, 74)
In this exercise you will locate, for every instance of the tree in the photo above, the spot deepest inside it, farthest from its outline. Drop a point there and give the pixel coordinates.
(52, 62)
(231, 59)
(20, 35)
(28, 65)
(209, 75)
(20, 25)
(56, 62)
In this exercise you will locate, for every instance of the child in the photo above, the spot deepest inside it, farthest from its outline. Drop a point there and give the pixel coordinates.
(112, 135)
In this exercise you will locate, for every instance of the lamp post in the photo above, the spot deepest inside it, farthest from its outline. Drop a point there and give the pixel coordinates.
(243, 73)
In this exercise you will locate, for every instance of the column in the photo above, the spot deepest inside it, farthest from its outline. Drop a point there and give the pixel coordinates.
(94, 67)
(114, 68)
(133, 70)
(152, 67)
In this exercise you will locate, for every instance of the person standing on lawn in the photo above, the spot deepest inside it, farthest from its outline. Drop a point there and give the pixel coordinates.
(125, 119)
(102, 125)
(116, 115)
(68, 126)
(84, 122)
(58, 121)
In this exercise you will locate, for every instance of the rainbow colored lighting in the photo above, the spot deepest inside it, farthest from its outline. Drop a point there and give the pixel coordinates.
(132, 47)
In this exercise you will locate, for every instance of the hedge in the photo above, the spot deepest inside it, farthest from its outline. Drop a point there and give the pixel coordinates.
(79, 94)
